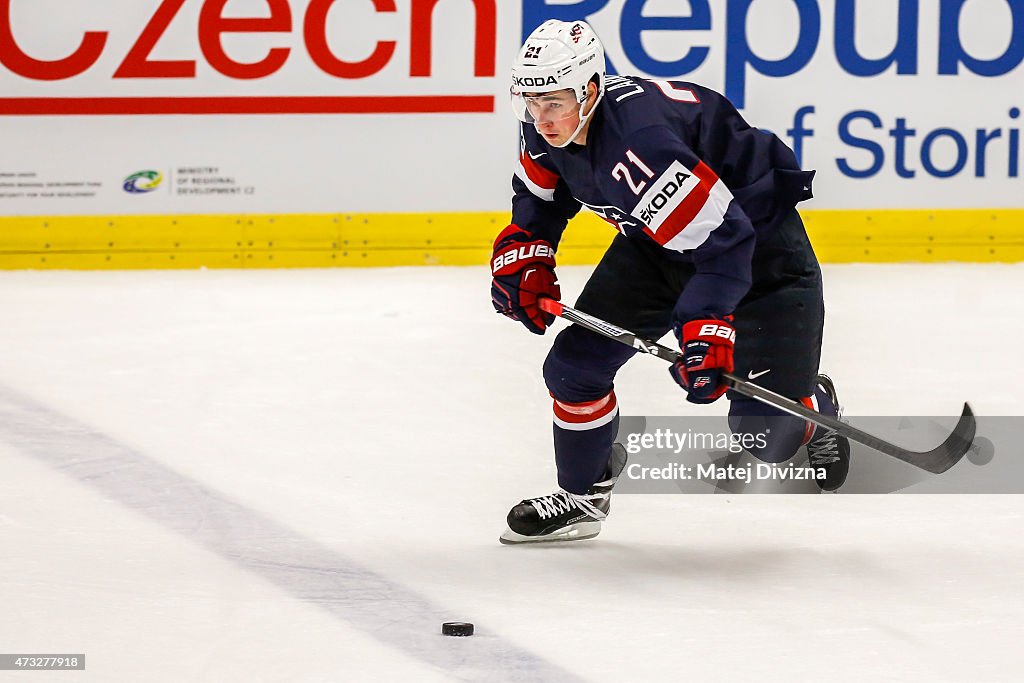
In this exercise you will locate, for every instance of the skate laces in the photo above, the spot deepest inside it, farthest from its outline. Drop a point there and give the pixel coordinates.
(824, 450)
(561, 502)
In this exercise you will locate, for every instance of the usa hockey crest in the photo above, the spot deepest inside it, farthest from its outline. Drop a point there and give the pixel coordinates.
(619, 219)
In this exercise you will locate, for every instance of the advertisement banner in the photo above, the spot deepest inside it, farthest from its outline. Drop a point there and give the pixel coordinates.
(314, 106)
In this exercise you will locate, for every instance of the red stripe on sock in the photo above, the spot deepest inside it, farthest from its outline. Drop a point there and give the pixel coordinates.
(808, 402)
(588, 411)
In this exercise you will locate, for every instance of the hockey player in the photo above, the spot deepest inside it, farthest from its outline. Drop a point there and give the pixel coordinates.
(710, 247)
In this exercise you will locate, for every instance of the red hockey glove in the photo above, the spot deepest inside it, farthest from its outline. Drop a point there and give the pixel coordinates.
(707, 353)
(523, 270)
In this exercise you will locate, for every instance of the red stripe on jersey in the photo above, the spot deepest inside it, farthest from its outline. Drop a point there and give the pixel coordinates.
(688, 209)
(582, 413)
(537, 174)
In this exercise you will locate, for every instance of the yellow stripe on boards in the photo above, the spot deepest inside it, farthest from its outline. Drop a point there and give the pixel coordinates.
(416, 239)
(895, 236)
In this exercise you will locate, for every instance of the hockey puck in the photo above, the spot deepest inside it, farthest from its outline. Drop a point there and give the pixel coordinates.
(457, 628)
(981, 452)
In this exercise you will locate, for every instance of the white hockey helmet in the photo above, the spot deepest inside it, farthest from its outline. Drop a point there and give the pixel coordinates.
(558, 55)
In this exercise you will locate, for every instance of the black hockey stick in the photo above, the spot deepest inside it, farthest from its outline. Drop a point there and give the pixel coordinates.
(937, 460)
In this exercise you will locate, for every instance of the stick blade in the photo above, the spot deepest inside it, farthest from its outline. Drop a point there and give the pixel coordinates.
(955, 447)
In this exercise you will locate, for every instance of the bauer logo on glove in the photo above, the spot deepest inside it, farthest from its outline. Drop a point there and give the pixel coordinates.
(716, 330)
(533, 250)
(707, 347)
(524, 272)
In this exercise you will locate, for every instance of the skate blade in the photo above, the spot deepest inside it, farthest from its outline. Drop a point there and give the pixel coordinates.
(575, 532)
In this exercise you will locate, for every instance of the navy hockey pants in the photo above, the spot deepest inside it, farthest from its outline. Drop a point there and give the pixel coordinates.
(778, 325)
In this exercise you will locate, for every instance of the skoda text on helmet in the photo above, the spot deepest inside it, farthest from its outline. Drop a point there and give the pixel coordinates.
(558, 55)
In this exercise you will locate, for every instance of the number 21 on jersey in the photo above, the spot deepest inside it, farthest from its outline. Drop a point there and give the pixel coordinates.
(622, 172)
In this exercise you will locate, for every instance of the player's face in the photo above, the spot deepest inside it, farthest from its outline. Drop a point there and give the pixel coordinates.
(556, 114)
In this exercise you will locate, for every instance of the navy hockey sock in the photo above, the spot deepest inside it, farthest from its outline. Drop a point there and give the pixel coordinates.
(783, 433)
(584, 433)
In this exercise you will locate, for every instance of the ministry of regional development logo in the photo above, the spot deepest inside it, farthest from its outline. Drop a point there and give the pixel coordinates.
(143, 182)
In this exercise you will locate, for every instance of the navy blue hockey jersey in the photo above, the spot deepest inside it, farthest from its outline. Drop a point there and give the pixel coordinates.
(674, 163)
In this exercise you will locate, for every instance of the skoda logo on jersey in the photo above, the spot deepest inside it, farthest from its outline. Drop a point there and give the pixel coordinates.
(538, 81)
(658, 201)
(143, 182)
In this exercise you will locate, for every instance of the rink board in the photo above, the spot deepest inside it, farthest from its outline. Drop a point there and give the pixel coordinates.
(415, 239)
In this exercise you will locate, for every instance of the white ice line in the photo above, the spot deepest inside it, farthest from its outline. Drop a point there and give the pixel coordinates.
(392, 614)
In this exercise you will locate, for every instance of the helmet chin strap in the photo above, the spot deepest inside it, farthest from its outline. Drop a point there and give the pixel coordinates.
(583, 122)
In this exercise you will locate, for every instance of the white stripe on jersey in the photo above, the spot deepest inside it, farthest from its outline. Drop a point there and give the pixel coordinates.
(707, 219)
(542, 192)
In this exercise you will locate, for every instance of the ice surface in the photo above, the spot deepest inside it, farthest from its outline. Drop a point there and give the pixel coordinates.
(299, 475)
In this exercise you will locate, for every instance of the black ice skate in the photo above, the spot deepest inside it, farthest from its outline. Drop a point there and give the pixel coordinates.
(564, 516)
(830, 451)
